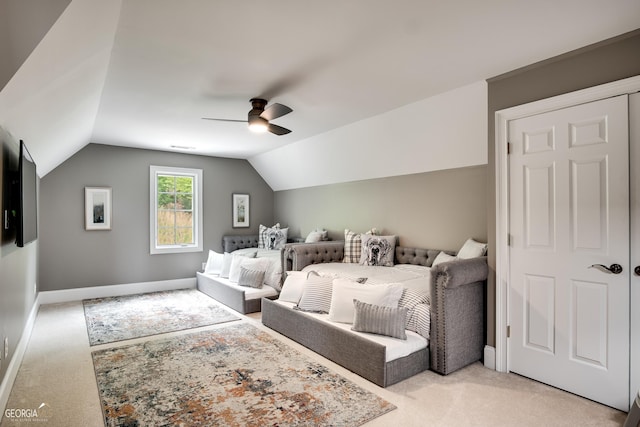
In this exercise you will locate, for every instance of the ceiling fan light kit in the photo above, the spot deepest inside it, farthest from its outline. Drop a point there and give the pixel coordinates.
(259, 117)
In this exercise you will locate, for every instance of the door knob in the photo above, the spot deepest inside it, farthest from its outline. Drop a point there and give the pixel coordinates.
(637, 270)
(613, 268)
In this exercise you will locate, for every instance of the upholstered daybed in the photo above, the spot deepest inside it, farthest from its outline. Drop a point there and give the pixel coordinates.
(243, 299)
(456, 335)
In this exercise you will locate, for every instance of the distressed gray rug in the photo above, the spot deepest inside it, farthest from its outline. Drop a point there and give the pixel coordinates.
(234, 375)
(121, 318)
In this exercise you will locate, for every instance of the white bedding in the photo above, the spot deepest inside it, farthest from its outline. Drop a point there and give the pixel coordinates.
(249, 292)
(273, 275)
(395, 348)
(410, 276)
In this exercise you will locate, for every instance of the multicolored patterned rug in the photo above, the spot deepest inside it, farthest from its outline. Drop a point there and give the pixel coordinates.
(133, 316)
(235, 375)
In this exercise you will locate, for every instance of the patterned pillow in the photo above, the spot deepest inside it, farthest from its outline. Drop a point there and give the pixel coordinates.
(272, 237)
(251, 278)
(409, 300)
(353, 245)
(421, 318)
(316, 294)
(380, 320)
(378, 250)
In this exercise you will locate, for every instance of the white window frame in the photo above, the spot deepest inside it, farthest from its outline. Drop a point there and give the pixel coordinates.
(154, 171)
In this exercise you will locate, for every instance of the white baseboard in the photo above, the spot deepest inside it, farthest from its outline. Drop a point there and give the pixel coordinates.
(68, 295)
(490, 357)
(16, 360)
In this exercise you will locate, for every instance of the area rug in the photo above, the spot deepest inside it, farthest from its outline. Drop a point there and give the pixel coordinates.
(233, 375)
(121, 318)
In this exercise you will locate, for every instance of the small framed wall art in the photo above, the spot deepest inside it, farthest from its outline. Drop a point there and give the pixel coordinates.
(240, 205)
(97, 208)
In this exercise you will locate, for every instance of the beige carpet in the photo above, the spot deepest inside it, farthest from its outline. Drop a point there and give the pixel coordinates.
(57, 370)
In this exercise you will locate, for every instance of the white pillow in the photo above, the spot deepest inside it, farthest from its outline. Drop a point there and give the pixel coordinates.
(345, 291)
(250, 263)
(293, 286)
(226, 265)
(273, 275)
(443, 257)
(214, 263)
(313, 237)
(472, 249)
(234, 264)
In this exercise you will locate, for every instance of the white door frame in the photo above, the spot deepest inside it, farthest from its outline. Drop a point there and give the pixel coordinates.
(502, 118)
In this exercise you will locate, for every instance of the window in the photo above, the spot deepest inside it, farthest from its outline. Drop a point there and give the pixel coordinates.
(176, 210)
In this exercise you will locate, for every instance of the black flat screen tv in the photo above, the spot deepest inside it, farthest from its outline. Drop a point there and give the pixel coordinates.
(27, 226)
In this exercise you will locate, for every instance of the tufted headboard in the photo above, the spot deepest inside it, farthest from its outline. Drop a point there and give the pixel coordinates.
(417, 256)
(231, 243)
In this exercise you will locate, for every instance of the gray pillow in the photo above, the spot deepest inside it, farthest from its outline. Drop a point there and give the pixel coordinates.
(380, 320)
(316, 294)
(251, 278)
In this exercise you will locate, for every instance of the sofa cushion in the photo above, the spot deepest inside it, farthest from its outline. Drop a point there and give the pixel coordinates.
(472, 249)
(251, 278)
(272, 237)
(377, 250)
(316, 294)
(380, 320)
(345, 291)
(293, 286)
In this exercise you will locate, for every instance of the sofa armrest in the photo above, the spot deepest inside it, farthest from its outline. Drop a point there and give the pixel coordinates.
(457, 313)
(296, 256)
(461, 271)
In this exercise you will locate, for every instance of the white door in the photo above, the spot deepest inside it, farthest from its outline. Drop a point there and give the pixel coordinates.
(569, 210)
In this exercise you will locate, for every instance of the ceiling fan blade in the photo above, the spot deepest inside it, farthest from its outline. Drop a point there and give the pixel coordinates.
(224, 120)
(277, 130)
(274, 111)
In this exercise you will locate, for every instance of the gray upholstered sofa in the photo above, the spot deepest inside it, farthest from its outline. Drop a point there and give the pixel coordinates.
(234, 297)
(457, 318)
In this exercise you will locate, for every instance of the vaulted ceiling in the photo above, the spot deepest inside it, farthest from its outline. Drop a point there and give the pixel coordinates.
(143, 73)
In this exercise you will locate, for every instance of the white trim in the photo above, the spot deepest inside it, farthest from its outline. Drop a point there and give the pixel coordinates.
(197, 204)
(16, 359)
(502, 118)
(68, 295)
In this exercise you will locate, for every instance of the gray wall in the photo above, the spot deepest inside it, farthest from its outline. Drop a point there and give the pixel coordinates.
(604, 62)
(430, 210)
(73, 257)
(18, 268)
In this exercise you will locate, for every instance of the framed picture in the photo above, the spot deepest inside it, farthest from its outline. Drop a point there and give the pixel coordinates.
(240, 206)
(97, 208)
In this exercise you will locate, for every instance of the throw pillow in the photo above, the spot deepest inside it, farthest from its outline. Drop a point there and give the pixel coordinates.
(214, 263)
(293, 286)
(236, 260)
(251, 278)
(443, 257)
(378, 250)
(313, 237)
(345, 291)
(316, 294)
(226, 265)
(409, 300)
(422, 320)
(353, 245)
(272, 237)
(472, 249)
(380, 320)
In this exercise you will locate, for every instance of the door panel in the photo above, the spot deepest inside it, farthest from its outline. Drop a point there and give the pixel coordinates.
(569, 209)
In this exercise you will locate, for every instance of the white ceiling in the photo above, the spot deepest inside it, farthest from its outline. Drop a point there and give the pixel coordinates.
(142, 73)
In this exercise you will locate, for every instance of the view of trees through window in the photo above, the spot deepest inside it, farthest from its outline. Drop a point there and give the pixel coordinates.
(175, 210)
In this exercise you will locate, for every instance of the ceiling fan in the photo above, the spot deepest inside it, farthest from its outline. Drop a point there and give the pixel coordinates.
(259, 117)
